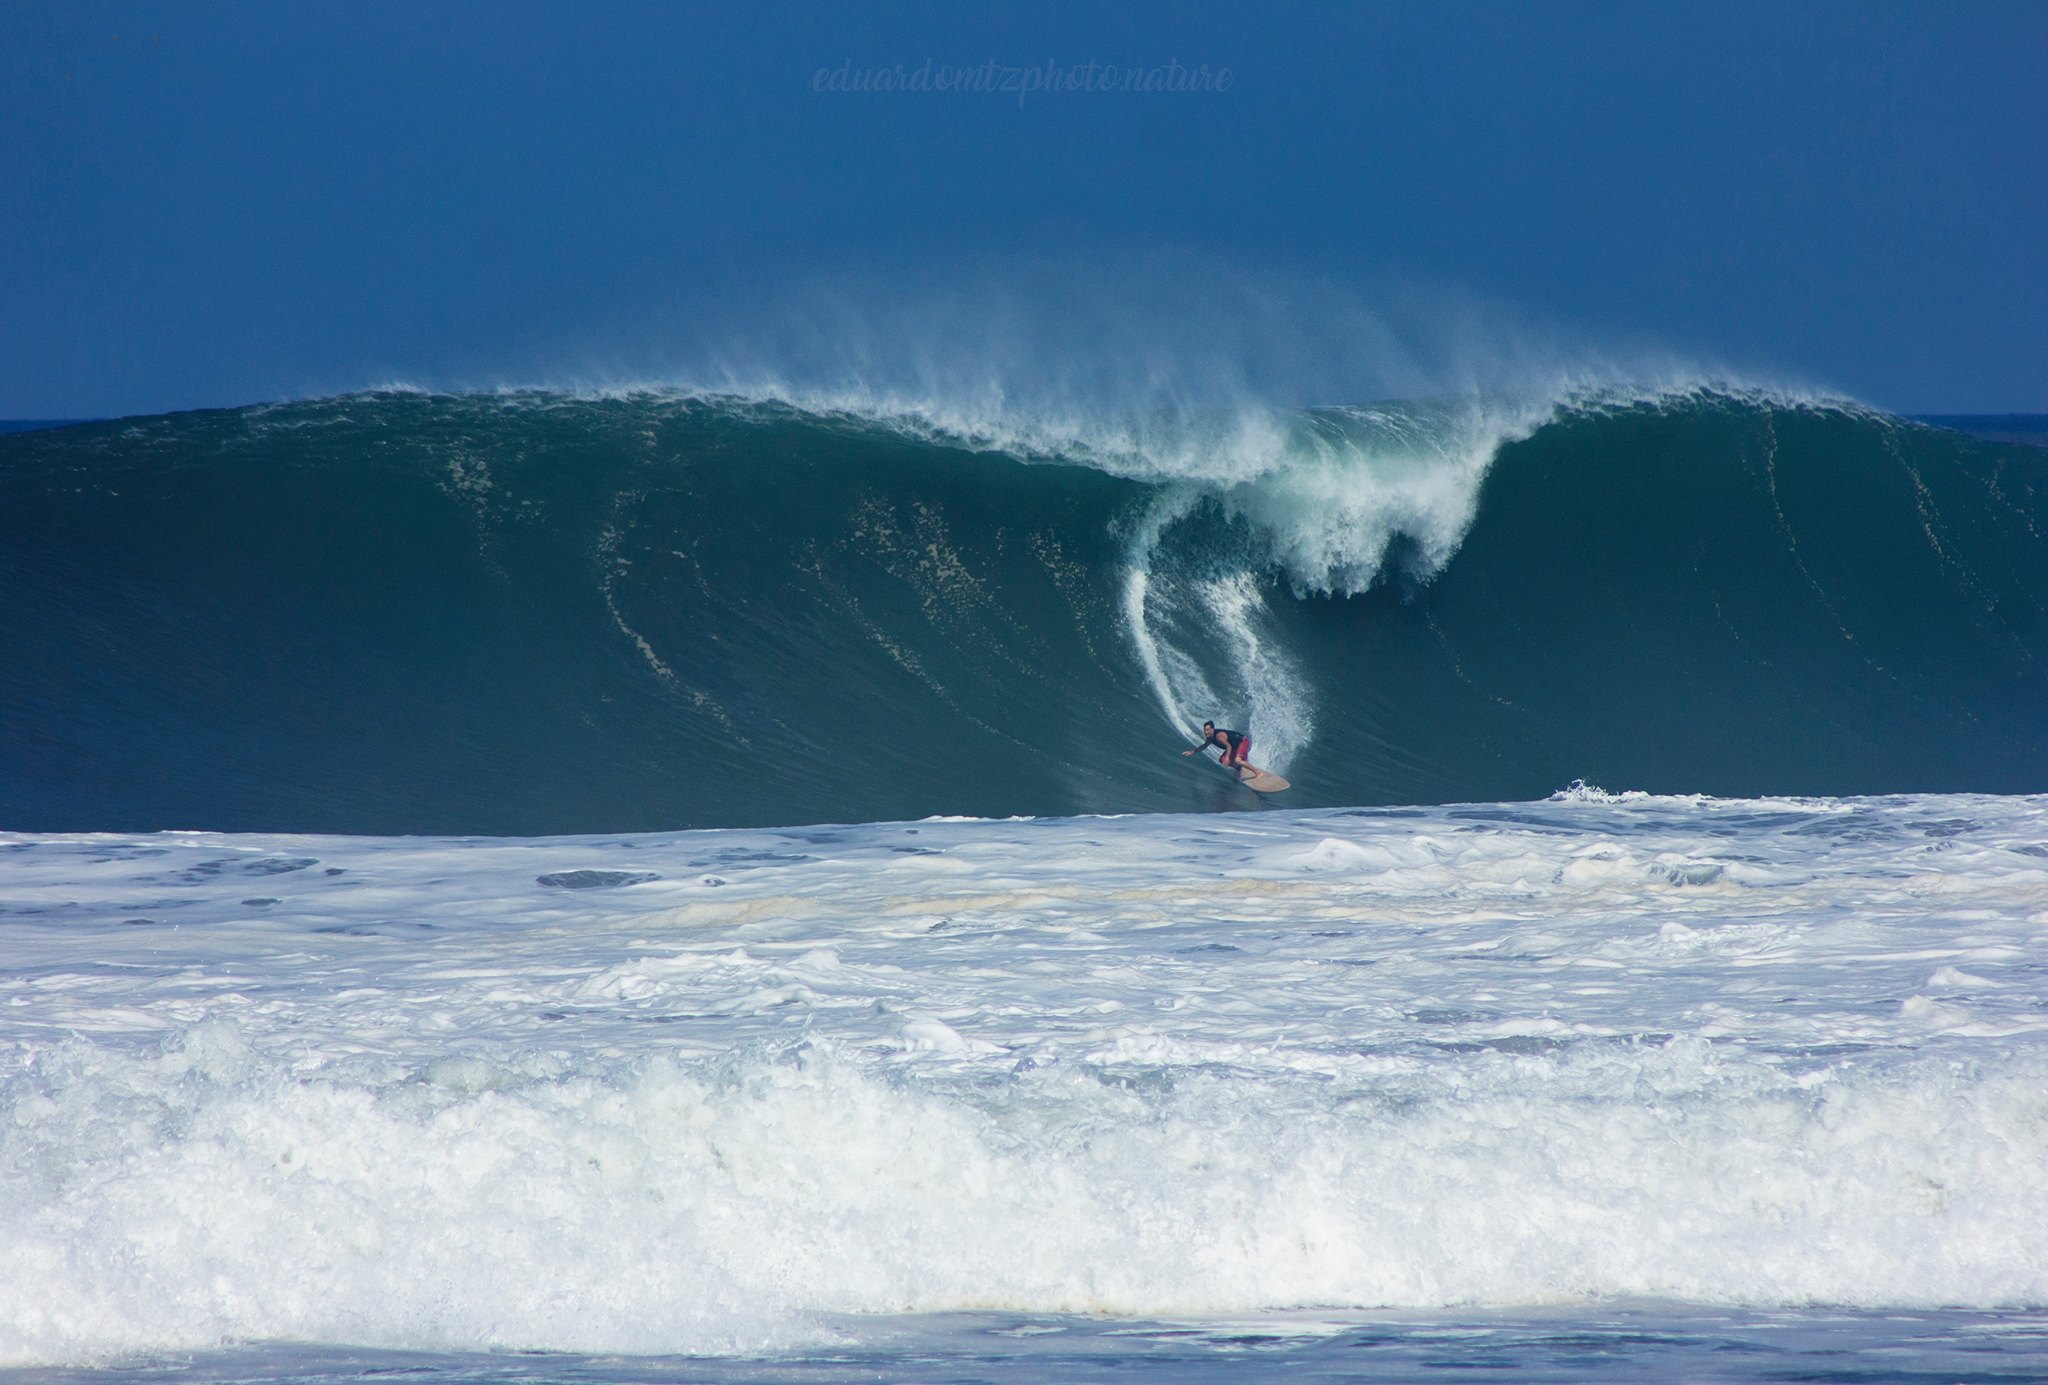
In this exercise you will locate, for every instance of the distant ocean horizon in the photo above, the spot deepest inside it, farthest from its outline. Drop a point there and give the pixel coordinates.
(32, 425)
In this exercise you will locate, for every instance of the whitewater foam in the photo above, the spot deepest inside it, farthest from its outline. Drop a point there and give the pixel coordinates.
(408, 1093)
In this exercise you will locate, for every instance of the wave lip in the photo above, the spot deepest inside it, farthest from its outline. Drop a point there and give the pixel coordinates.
(1331, 489)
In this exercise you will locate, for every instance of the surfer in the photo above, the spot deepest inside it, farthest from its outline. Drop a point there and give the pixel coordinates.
(1234, 745)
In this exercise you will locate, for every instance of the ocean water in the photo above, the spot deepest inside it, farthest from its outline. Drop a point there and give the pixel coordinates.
(529, 613)
(426, 947)
(1687, 1086)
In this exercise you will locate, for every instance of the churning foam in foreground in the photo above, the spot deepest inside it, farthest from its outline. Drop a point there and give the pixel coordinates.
(647, 1206)
(687, 1092)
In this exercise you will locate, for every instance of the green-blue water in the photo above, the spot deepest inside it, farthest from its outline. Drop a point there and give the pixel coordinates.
(537, 614)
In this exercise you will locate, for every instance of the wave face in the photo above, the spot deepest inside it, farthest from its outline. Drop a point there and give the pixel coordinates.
(536, 613)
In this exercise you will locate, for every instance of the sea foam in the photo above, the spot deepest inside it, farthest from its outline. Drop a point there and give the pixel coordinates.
(410, 1095)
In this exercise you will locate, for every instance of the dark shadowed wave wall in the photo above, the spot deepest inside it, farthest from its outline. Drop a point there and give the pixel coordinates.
(541, 614)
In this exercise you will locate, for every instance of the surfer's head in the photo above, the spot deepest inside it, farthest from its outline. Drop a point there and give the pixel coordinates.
(1208, 726)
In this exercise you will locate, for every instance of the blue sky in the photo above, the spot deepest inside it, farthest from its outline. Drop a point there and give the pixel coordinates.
(204, 204)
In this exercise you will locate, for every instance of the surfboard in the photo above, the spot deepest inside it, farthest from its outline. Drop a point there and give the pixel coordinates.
(1260, 780)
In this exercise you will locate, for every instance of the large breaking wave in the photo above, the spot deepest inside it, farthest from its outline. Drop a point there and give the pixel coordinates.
(536, 613)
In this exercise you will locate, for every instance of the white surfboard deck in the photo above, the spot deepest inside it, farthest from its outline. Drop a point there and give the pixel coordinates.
(1260, 780)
